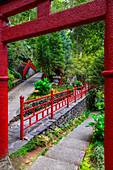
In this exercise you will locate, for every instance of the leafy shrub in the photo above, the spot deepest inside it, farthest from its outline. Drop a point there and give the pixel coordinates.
(99, 100)
(10, 81)
(98, 126)
(100, 96)
(18, 75)
(98, 156)
(100, 106)
(91, 95)
(43, 86)
(78, 83)
(70, 87)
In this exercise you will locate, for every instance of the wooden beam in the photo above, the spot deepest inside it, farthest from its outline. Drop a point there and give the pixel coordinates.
(17, 6)
(79, 15)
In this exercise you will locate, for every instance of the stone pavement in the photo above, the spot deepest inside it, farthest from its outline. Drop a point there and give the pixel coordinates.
(69, 152)
(25, 89)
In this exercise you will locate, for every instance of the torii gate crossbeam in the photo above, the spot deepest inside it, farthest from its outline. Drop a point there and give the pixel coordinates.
(45, 23)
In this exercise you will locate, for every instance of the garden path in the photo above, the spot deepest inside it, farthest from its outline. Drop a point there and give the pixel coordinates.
(69, 152)
(25, 89)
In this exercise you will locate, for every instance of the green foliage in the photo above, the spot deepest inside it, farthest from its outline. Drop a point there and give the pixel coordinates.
(43, 86)
(32, 144)
(99, 101)
(44, 152)
(78, 83)
(25, 77)
(91, 95)
(94, 158)
(70, 88)
(95, 69)
(98, 126)
(98, 156)
(10, 81)
(49, 53)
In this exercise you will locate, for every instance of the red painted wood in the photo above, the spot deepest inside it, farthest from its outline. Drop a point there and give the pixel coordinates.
(79, 15)
(29, 63)
(81, 90)
(17, 6)
(3, 95)
(85, 89)
(51, 104)
(44, 9)
(108, 74)
(69, 97)
(22, 117)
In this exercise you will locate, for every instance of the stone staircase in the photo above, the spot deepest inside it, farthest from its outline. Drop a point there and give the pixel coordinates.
(69, 152)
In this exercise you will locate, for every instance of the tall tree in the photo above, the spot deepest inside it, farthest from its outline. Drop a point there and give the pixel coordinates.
(50, 53)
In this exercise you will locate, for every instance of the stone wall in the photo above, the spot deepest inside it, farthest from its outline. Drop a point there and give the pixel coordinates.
(69, 113)
(62, 117)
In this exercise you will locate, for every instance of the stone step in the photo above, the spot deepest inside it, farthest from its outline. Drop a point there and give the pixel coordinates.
(83, 129)
(80, 135)
(44, 163)
(73, 143)
(86, 122)
(65, 154)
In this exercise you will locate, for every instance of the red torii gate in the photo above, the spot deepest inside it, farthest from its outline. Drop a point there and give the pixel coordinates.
(46, 23)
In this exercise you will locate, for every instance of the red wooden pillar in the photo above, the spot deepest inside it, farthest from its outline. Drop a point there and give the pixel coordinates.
(85, 89)
(67, 97)
(21, 117)
(75, 94)
(81, 90)
(3, 93)
(51, 104)
(108, 75)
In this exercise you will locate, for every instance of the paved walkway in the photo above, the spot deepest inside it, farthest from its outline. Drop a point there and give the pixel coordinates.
(69, 152)
(25, 89)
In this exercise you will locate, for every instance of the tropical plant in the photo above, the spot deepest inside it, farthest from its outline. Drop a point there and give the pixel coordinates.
(43, 86)
(98, 126)
(78, 83)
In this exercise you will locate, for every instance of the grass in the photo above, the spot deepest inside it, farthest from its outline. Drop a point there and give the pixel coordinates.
(41, 143)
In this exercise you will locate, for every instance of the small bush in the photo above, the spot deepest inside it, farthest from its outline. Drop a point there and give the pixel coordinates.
(98, 156)
(78, 83)
(98, 126)
(91, 95)
(10, 81)
(99, 100)
(43, 86)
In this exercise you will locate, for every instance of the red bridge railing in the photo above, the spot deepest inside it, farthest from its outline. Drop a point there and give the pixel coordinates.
(53, 104)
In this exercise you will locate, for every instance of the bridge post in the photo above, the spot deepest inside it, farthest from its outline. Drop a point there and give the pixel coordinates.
(108, 75)
(3, 93)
